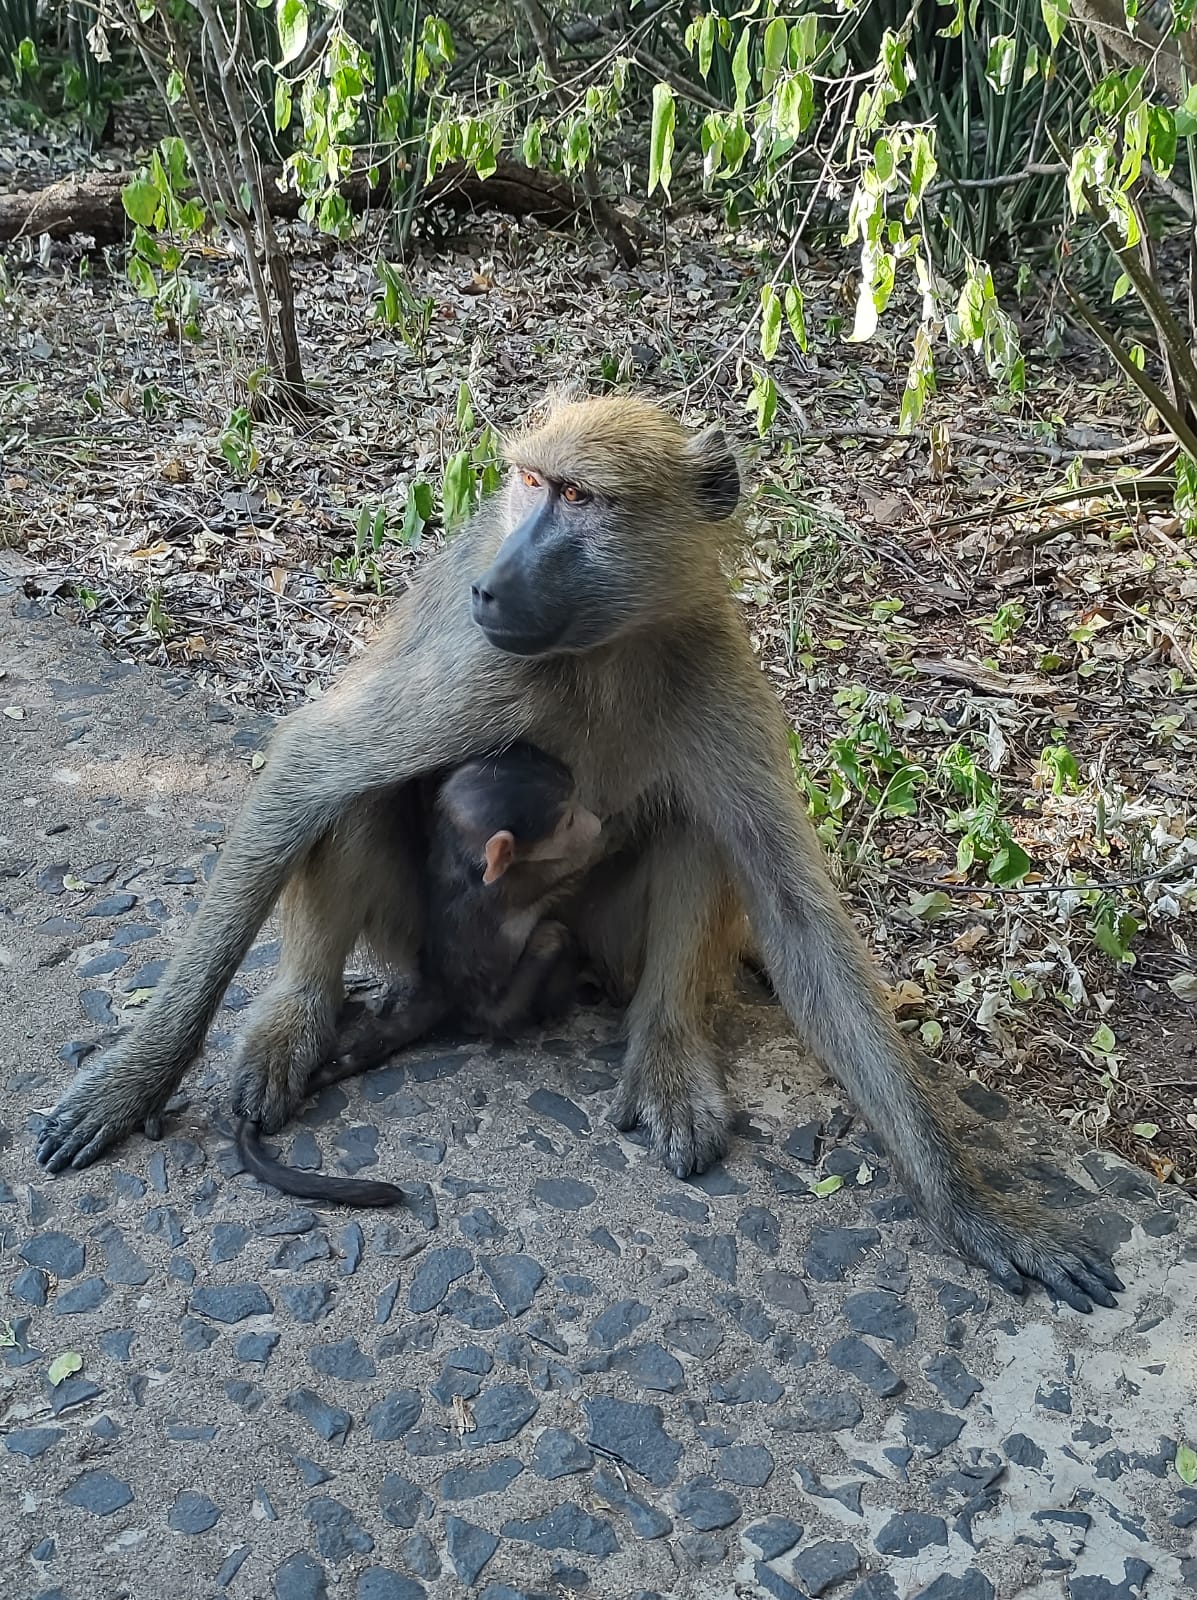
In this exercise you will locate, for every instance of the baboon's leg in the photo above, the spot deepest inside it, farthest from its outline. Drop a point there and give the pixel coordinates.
(360, 878)
(368, 736)
(672, 1081)
(827, 983)
(608, 919)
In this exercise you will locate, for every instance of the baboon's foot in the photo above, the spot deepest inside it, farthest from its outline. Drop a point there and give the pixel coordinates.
(110, 1097)
(290, 1034)
(1019, 1245)
(685, 1107)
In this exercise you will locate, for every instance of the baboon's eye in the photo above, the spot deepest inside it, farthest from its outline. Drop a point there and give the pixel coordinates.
(574, 495)
(531, 481)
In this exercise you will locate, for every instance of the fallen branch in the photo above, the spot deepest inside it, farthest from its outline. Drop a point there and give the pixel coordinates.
(89, 205)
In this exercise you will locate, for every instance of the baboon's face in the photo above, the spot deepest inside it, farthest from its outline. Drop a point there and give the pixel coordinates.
(602, 503)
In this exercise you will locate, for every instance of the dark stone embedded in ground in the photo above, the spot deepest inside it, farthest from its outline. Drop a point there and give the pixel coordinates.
(877, 1586)
(773, 1536)
(392, 1417)
(647, 1521)
(514, 1279)
(558, 1453)
(124, 1265)
(83, 1296)
(54, 1252)
(749, 1466)
(193, 1513)
(568, 1527)
(330, 1422)
(974, 1585)
(338, 1534)
(908, 1532)
(300, 1577)
(401, 1501)
(231, 1302)
(634, 1434)
(749, 1386)
(652, 1367)
(835, 1252)
(499, 1414)
(930, 1430)
(467, 1483)
(822, 1565)
(345, 1359)
(760, 1227)
(686, 1207)
(438, 1269)
(1024, 1452)
(564, 1194)
(617, 1323)
(419, 1553)
(706, 1507)
(381, 1583)
(470, 1548)
(98, 1492)
(787, 1291)
(749, 1314)
(717, 1252)
(953, 1380)
(695, 1333)
(228, 1240)
(821, 1413)
(547, 1103)
(307, 1302)
(31, 1442)
(881, 1314)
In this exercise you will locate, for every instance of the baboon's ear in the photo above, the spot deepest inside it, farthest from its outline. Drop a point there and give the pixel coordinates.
(716, 475)
(500, 853)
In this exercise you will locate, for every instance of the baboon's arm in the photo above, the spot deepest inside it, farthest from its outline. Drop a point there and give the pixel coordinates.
(374, 730)
(827, 983)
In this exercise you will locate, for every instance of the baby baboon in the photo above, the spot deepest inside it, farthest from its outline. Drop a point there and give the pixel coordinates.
(507, 841)
(588, 610)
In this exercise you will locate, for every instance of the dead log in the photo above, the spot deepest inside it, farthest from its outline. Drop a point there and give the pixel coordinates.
(89, 204)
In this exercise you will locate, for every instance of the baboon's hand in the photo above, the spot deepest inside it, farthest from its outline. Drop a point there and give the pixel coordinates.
(1018, 1247)
(102, 1105)
(687, 1115)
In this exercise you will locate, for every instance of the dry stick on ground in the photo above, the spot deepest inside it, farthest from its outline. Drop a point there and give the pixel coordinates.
(1018, 447)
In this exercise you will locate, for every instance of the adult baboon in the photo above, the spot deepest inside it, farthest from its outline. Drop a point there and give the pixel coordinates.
(587, 611)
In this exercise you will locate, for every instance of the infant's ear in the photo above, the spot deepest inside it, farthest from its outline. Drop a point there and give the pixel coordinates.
(716, 475)
(500, 853)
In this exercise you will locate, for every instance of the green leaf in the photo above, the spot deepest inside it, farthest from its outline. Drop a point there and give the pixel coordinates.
(1161, 140)
(1145, 1130)
(741, 69)
(63, 1366)
(1055, 15)
(1009, 865)
(141, 200)
(796, 316)
(826, 1186)
(660, 149)
(531, 148)
(770, 321)
(174, 86)
(777, 40)
(1186, 1464)
(706, 44)
(1121, 288)
(282, 104)
(999, 69)
(1186, 114)
(923, 167)
(292, 18)
(931, 906)
(1104, 1039)
(763, 401)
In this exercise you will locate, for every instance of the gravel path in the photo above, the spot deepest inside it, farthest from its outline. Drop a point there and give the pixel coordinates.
(559, 1372)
